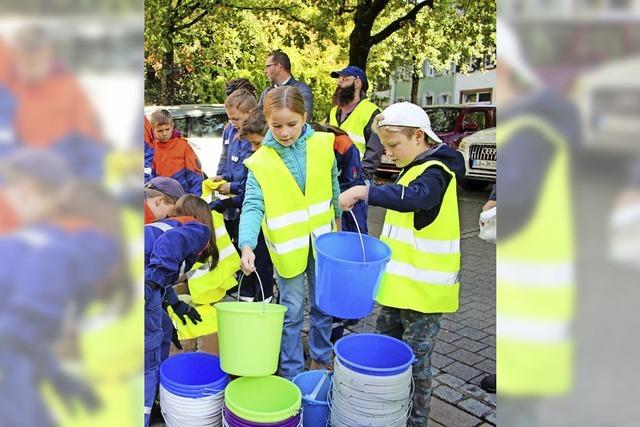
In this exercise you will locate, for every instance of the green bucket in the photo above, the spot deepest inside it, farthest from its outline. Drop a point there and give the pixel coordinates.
(249, 335)
(263, 400)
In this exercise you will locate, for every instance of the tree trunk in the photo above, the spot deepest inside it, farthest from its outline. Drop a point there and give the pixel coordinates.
(415, 81)
(167, 81)
(359, 48)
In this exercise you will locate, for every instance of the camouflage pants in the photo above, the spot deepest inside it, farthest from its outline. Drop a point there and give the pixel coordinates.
(419, 331)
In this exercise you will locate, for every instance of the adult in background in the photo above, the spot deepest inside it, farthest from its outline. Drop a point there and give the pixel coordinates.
(353, 112)
(278, 72)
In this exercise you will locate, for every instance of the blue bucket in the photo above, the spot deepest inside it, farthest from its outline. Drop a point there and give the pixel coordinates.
(193, 375)
(345, 285)
(374, 354)
(315, 410)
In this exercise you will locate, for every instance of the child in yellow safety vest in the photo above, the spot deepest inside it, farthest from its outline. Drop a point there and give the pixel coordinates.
(422, 229)
(292, 190)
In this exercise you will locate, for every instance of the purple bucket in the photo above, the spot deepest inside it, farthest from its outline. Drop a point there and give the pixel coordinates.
(234, 421)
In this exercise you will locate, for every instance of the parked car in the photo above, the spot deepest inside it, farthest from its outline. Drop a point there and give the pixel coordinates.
(202, 125)
(452, 123)
(479, 151)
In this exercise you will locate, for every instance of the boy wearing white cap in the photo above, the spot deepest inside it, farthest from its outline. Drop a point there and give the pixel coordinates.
(422, 229)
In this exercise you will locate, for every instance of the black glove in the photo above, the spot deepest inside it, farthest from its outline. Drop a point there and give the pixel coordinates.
(71, 388)
(174, 339)
(183, 309)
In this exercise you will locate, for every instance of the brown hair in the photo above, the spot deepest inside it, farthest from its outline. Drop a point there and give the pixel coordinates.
(161, 117)
(279, 57)
(191, 205)
(152, 193)
(235, 84)
(255, 123)
(242, 100)
(283, 97)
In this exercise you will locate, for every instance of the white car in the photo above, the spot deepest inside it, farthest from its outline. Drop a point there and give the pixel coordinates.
(479, 151)
(202, 125)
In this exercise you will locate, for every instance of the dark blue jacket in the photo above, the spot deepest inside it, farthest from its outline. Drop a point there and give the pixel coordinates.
(423, 195)
(235, 173)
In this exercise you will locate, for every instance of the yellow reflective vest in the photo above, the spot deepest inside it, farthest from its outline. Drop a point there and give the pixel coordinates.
(423, 273)
(291, 216)
(356, 122)
(534, 281)
(205, 286)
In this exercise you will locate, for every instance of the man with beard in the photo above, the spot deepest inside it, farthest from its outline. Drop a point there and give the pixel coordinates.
(278, 72)
(354, 113)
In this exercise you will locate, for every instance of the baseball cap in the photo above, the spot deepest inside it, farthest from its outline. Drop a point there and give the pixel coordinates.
(408, 115)
(510, 51)
(354, 71)
(166, 185)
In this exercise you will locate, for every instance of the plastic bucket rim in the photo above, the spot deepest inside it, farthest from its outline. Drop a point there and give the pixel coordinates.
(370, 369)
(313, 401)
(365, 237)
(236, 420)
(264, 308)
(261, 417)
(166, 364)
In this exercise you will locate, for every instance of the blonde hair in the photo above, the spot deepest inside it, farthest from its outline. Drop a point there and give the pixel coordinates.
(161, 117)
(404, 130)
(241, 99)
(283, 97)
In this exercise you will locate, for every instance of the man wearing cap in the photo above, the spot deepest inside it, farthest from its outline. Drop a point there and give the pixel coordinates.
(353, 112)
(422, 228)
(278, 72)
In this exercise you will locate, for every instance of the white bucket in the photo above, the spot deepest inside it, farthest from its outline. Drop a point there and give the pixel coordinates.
(360, 400)
(181, 411)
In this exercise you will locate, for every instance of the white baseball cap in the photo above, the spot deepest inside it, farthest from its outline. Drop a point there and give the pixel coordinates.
(408, 115)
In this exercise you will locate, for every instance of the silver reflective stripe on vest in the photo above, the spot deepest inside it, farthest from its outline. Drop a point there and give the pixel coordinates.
(426, 276)
(428, 246)
(535, 275)
(530, 330)
(288, 246)
(288, 219)
(221, 231)
(160, 225)
(319, 208)
(323, 229)
(198, 272)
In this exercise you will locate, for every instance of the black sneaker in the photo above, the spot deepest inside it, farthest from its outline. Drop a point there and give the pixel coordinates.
(488, 383)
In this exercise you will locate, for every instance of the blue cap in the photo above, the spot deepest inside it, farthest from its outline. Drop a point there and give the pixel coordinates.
(166, 185)
(354, 71)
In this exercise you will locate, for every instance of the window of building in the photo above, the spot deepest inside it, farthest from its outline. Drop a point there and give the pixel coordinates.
(476, 96)
(444, 99)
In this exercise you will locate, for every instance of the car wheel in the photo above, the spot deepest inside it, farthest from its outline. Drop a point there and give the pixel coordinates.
(473, 185)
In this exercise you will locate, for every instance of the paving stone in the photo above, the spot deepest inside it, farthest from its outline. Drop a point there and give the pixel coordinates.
(473, 390)
(447, 394)
(487, 365)
(440, 361)
(449, 337)
(475, 407)
(450, 325)
(466, 357)
(450, 380)
(488, 352)
(491, 398)
(491, 417)
(434, 371)
(461, 370)
(443, 347)
(471, 333)
(489, 340)
(449, 415)
(471, 345)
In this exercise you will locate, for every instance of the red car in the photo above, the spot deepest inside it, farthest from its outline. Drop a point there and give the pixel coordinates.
(451, 124)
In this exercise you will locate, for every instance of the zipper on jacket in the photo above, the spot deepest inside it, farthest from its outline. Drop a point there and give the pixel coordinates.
(299, 168)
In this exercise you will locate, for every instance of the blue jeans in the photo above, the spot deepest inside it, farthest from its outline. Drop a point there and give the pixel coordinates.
(292, 297)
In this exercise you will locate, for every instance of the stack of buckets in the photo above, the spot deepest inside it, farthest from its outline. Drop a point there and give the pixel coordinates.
(371, 381)
(249, 336)
(192, 390)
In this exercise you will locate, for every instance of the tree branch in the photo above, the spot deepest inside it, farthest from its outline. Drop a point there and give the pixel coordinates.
(192, 22)
(398, 23)
(284, 10)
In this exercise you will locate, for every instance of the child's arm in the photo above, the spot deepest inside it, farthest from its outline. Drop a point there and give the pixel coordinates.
(423, 193)
(222, 163)
(252, 213)
(193, 172)
(335, 187)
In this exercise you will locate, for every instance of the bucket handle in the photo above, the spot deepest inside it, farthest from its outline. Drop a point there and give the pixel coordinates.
(364, 258)
(242, 276)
